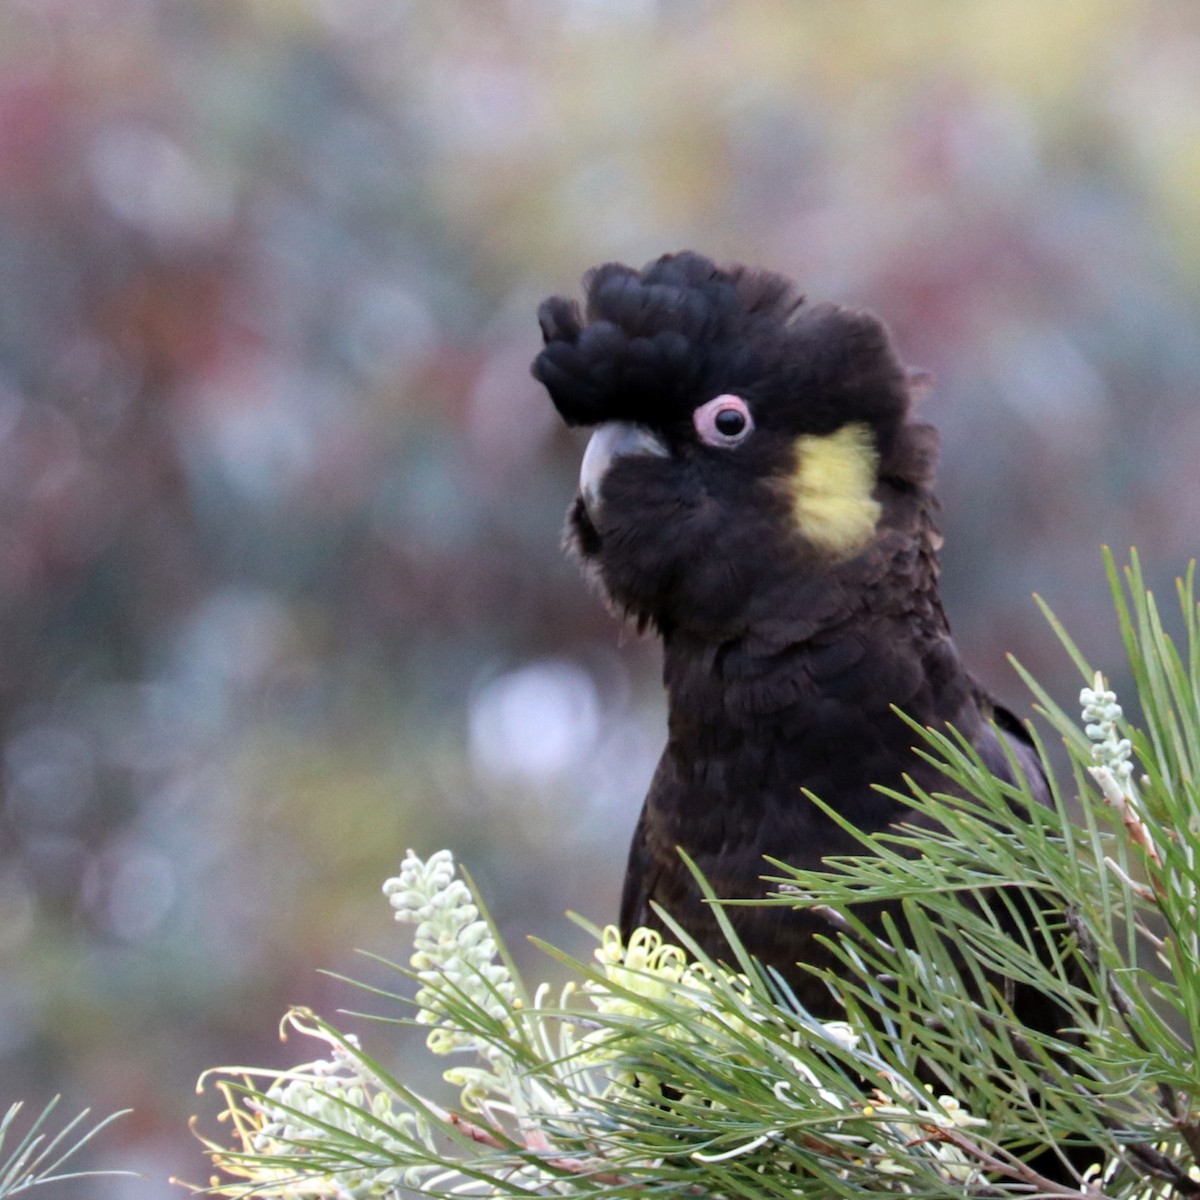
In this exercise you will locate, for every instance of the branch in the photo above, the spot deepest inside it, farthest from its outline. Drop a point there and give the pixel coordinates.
(537, 1143)
(1152, 1159)
(1189, 1130)
(839, 922)
(1124, 1006)
(1009, 1166)
(1122, 800)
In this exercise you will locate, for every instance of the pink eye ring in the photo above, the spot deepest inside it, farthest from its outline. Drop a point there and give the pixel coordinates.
(724, 421)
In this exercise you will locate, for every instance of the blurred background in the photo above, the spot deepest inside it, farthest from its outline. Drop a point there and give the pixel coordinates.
(281, 590)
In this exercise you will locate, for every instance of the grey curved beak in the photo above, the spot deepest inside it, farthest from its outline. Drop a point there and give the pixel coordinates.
(612, 440)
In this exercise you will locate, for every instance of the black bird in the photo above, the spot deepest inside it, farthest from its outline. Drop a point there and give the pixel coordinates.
(758, 492)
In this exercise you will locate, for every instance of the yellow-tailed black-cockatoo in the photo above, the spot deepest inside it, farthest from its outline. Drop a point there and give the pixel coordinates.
(757, 491)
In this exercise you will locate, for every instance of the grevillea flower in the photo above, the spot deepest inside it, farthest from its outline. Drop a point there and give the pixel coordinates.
(1113, 771)
(1101, 714)
(454, 949)
(548, 1073)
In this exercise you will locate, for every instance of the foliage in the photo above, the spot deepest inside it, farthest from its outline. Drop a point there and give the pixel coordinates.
(659, 1069)
(38, 1157)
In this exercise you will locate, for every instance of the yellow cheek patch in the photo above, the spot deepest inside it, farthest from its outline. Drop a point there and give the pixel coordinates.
(831, 488)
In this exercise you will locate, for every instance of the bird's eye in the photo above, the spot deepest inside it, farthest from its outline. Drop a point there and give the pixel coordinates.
(729, 422)
(724, 421)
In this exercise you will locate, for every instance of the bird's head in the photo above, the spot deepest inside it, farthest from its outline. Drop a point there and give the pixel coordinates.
(743, 440)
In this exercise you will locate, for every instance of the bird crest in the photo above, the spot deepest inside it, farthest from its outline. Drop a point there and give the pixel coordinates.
(651, 345)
